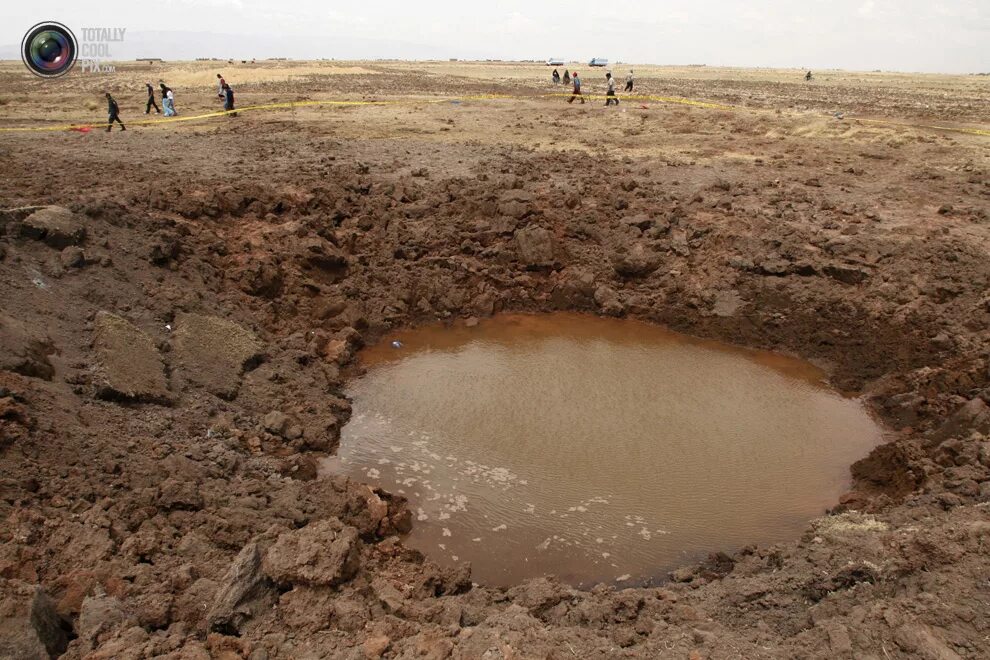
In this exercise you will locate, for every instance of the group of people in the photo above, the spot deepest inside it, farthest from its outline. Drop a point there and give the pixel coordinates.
(224, 92)
(610, 96)
(168, 100)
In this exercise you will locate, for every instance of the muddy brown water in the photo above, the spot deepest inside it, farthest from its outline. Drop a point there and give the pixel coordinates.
(593, 449)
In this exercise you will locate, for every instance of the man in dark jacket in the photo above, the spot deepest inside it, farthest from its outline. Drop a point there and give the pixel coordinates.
(113, 114)
(151, 101)
(228, 99)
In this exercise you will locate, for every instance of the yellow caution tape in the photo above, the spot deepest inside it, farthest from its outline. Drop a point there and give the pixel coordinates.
(478, 97)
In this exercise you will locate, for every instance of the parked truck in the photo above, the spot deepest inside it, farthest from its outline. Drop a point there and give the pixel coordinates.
(598, 61)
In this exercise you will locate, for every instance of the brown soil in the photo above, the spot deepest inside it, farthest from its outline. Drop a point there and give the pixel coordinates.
(163, 503)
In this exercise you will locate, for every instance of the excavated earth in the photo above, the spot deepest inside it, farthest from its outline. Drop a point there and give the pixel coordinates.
(181, 306)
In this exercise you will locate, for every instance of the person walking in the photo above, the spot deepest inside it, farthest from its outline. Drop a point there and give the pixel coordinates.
(808, 77)
(629, 81)
(577, 89)
(168, 101)
(221, 83)
(113, 114)
(567, 77)
(151, 101)
(556, 77)
(228, 102)
(610, 96)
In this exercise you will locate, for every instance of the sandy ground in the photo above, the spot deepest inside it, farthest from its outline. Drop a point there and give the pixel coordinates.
(176, 330)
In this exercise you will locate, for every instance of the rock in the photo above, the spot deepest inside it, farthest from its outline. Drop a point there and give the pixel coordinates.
(323, 255)
(58, 227)
(262, 276)
(164, 247)
(640, 221)
(214, 352)
(375, 647)
(100, 615)
(972, 416)
(679, 243)
(727, 303)
(243, 594)
(942, 341)
(30, 628)
(324, 552)
(128, 365)
(919, 641)
(276, 423)
(24, 351)
(576, 288)
(72, 257)
(903, 408)
(535, 247)
(608, 301)
(846, 274)
(638, 260)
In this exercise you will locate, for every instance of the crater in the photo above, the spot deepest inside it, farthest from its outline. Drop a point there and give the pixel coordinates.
(596, 450)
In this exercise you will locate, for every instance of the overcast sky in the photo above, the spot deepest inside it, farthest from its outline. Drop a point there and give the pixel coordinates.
(950, 36)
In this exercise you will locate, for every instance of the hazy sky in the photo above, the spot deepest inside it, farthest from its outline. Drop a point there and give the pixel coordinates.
(906, 35)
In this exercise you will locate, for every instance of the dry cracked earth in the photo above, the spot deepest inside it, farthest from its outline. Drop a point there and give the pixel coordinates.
(181, 306)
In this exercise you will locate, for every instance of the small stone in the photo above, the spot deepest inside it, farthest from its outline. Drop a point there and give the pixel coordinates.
(375, 647)
(276, 423)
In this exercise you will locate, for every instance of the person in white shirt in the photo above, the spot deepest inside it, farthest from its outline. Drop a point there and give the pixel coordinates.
(629, 81)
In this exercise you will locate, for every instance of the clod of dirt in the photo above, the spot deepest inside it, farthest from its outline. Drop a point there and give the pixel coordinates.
(23, 352)
(536, 247)
(58, 227)
(322, 553)
(72, 257)
(99, 615)
(128, 364)
(214, 352)
(637, 260)
(29, 625)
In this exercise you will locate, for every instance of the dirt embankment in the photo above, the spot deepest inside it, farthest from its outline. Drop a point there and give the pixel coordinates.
(177, 331)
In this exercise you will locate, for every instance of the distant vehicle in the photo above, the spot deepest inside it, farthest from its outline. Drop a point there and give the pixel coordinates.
(553, 61)
(598, 61)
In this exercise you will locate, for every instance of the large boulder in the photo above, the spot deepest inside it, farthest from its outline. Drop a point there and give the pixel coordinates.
(535, 247)
(128, 366)
(30, 628)
(323, 553)
(58, 227)
(214, 353)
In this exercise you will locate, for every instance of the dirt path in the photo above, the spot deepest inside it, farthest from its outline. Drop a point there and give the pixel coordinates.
(174, 338)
